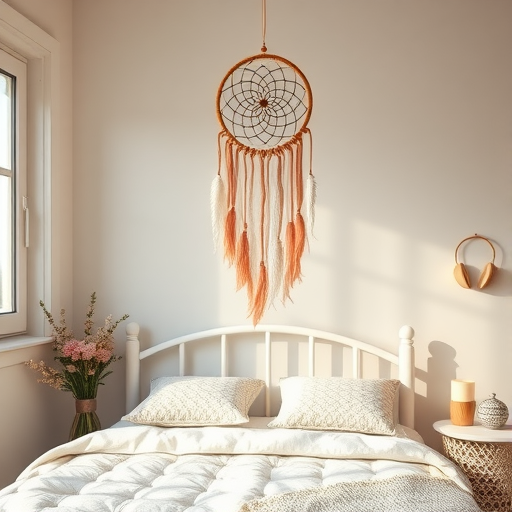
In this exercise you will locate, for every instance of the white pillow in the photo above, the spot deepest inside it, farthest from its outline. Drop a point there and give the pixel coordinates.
(337, 403)
(197, 401)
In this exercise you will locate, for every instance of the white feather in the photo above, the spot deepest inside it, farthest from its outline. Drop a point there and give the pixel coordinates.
(275, 252)
(310, 203)
(218, 208)
(275, 268)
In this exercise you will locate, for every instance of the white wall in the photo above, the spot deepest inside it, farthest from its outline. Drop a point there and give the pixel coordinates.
(34, 417)
(412, 128)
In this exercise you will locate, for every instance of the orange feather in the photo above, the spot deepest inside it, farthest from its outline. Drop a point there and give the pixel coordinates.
(300, 244)
(260, 297)
(243, 266)
(230, 236)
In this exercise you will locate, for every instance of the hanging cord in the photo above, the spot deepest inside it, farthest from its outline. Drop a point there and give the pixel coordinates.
(263, 24)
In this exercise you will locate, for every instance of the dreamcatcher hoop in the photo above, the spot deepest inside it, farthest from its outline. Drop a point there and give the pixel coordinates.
(263, 101)
(263, 105)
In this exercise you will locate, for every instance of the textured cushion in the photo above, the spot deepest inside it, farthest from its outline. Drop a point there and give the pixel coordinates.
(337, 403)
(197, 401)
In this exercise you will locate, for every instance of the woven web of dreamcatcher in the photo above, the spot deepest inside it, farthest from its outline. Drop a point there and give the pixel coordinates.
(264, 102)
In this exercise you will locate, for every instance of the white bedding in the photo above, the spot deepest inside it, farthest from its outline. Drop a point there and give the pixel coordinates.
(217, 469)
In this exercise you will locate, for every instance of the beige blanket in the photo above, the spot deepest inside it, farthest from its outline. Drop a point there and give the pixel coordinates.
(411, 493)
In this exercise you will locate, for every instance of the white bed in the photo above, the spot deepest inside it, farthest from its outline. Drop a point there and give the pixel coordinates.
(224, 441)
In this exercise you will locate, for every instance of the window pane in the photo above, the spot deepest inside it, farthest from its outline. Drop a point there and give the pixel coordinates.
(7, 256)
(13, 195)
(6, 121)
(6, 246)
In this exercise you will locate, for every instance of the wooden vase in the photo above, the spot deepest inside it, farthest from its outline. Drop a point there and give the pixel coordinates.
(462, 413)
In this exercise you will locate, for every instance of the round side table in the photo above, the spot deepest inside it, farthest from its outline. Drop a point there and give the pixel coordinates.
(485, 456)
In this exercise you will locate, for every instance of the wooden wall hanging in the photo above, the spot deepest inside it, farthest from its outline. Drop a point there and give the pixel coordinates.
(264, 104)
(461, 274)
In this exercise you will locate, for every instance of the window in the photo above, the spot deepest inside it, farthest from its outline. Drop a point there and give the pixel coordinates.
(13, 195)
(20, 37)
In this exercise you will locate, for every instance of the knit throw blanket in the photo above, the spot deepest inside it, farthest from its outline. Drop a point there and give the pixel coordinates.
(411, 493)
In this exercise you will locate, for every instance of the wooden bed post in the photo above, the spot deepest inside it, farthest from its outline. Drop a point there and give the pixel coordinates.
(132, 366)
(406, 368)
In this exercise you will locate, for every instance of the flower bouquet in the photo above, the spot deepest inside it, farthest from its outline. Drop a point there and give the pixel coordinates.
(83, 362)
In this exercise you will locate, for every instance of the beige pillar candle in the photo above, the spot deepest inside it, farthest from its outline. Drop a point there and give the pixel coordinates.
(463, 390)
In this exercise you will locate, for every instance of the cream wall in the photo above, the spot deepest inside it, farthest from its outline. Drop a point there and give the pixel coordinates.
(34, 417)
(412, 128)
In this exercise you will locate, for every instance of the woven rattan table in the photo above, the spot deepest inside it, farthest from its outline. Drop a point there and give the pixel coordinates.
(485, 455)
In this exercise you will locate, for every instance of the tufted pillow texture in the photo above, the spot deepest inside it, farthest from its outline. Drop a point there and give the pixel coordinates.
(197, 401)
(338, 403)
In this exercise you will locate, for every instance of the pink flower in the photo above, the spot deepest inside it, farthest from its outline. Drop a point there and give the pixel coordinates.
(79, 350)
(71, 368)
(69, 348)
(76, 355)
(88, 351)
(103, 355)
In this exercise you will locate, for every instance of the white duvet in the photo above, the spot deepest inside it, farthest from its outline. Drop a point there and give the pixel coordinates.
(209, 469)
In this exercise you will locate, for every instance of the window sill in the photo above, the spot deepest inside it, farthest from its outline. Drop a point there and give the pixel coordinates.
(15, 350)
(22, 341)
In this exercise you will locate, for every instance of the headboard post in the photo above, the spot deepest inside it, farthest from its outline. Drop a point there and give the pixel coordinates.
(406, 369)
(132, 366)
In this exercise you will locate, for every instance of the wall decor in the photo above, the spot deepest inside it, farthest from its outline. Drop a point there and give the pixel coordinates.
(264, 104)
(461, 274)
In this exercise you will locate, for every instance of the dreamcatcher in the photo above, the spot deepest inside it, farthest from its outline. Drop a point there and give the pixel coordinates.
(263, 105)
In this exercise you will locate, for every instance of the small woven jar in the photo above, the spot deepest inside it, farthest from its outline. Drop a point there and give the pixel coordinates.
(492, 413)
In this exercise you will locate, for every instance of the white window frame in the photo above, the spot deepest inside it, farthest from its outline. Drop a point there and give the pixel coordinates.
(16, 321)
(42, 53)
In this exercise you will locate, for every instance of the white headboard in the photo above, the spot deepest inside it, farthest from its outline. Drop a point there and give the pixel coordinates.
(270, 335)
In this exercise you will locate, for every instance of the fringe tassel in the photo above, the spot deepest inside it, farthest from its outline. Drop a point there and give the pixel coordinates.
(230, 236)
(300, 243)
(261, 295)
(290, 260)
(252, 231)
(218, 208)
(275, 268)
(243, 265)
(310, 202)
(275, 245)
(281, 248)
